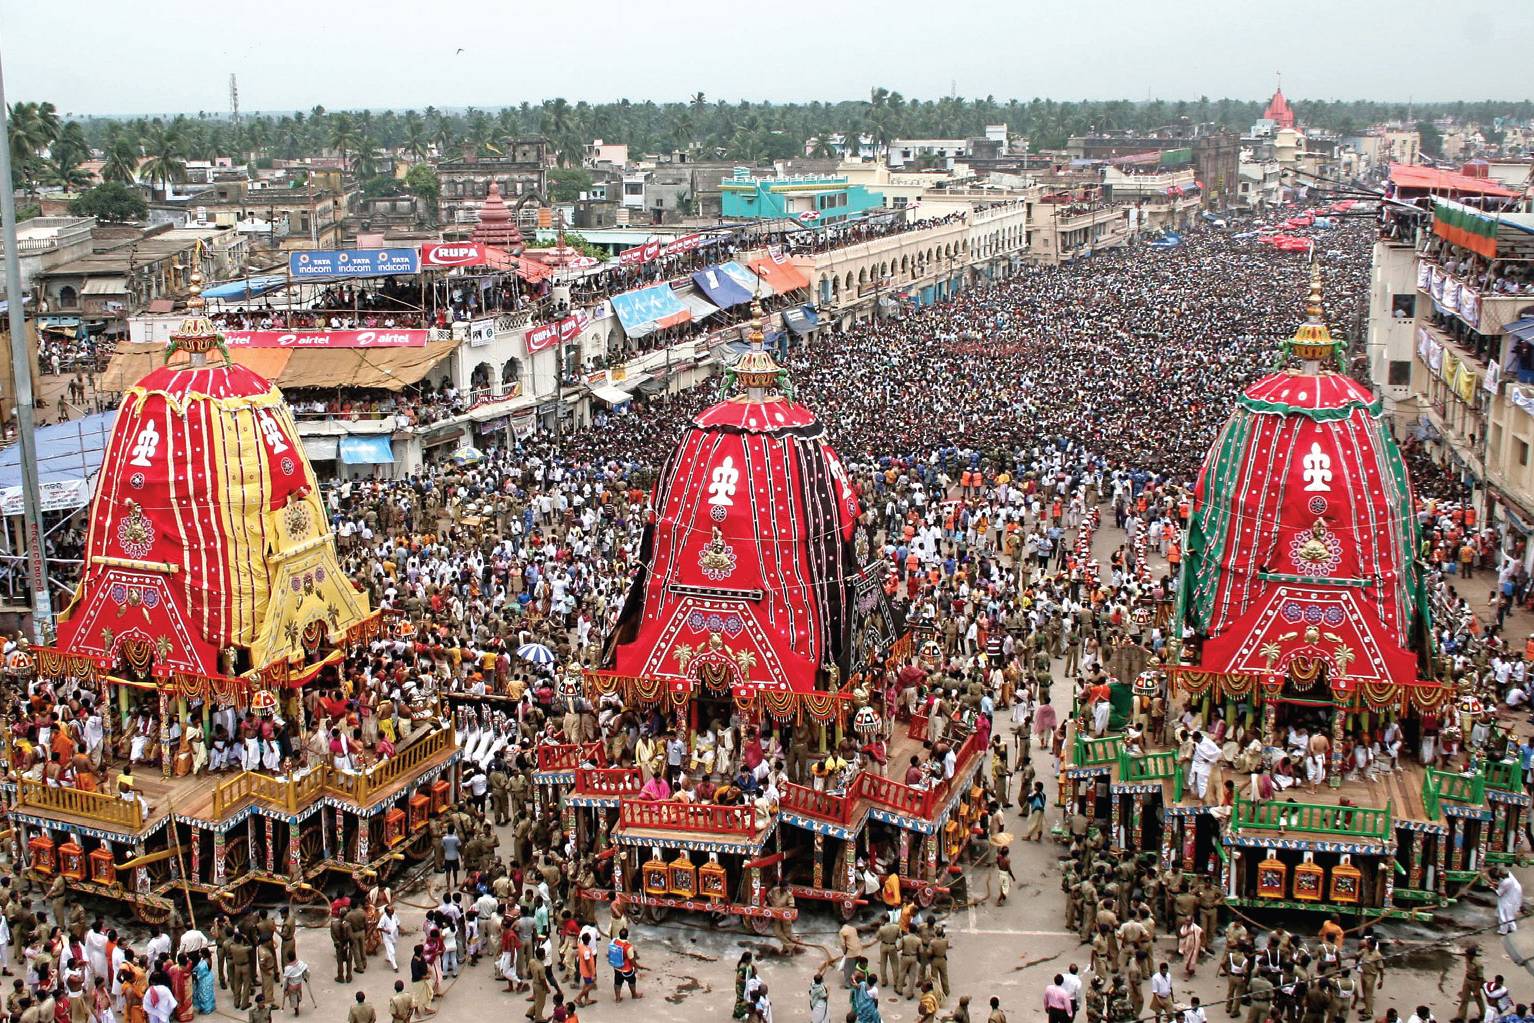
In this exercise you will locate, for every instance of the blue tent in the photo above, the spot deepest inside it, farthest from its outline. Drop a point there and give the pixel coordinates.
(646, 310)
(720, 287)
(248, 287)
(68, 461)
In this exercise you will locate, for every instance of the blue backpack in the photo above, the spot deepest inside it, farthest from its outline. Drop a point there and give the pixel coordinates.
(617, 955)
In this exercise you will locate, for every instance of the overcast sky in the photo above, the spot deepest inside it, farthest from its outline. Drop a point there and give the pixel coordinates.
(112, 56)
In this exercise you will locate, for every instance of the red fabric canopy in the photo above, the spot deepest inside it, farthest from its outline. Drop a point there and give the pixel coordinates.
(784, 277)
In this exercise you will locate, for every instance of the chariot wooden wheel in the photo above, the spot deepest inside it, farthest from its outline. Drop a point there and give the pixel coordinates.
(150, 913)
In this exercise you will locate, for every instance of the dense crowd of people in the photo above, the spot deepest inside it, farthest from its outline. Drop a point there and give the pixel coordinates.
(988, 462)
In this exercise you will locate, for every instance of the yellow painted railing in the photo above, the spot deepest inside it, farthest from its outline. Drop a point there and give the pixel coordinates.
(279, 793)
(361, 788)
(96, 806)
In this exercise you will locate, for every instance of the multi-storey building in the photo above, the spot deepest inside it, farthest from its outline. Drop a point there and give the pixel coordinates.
(521, 173)
(1451, 332)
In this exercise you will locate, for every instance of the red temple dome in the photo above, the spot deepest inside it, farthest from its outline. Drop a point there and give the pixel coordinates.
(1279, 111)
(496, 225)
(1302, 538)
(756, 569)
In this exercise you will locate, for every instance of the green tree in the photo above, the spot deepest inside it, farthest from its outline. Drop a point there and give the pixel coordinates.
(59, 171)
(111, 202)
(567, 183)
(121, 164)
(1432, 138)
(421, 182)
(165, 152)
(414, 140)
(382, 184)
(579, 243)
(345, 136)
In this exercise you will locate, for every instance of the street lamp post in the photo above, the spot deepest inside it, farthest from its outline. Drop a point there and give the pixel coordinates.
(21, 370)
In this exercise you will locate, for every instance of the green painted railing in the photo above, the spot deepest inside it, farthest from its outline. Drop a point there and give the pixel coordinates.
(1440, 787)
(1150, 767)
(1090, 752)
(1314, 818)
(1504, 777)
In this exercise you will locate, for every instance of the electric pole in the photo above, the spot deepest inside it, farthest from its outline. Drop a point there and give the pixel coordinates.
(21, 369)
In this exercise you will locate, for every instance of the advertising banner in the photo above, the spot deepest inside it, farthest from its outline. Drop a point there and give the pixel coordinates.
(325, 339)
(354, 263)
(453, 254)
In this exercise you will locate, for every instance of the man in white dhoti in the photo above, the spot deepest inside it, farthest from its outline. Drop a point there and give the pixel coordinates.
(1205, 752)
(96, 953)
(1509, 902)
(388, 931)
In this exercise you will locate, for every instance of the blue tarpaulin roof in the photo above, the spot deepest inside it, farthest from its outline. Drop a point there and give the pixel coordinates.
(646, 310)
(720, 288)
(68, 460)
(248, 287)
(375, 450)
(1522, 329)
(800, 320)
(747, 279)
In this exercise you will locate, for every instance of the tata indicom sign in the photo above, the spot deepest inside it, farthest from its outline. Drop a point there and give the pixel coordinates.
(386, 338)
(354, 263)
(453, 254)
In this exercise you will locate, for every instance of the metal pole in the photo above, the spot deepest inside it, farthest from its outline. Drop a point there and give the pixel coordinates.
(21, 369)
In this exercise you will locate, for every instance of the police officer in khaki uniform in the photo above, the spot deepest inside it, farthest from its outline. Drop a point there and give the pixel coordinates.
(889, 938)
(1259, 993)
(357, 924)
(906, 972)
(1237, 969)
(401, 1005)
(266, 963)
(1470, 989)
(341, 944)
(1209, 902)
(937, 952)
(361, 1012)
(241, 958)
(260, 1012)
(1371, 975)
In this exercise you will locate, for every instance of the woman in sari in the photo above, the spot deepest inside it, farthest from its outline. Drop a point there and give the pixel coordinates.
(133, 987)
(744, 971)
(204, 988)
(180, 975)
(820, 1000)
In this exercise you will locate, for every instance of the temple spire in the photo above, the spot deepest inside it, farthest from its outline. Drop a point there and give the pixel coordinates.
(757, 371)
(1313, 342)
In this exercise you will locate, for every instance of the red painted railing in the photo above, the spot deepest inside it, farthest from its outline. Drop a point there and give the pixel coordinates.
(608, 781)
(918, 729)
(893, 795)
(700, 817)
(566, 756)
(820, 805)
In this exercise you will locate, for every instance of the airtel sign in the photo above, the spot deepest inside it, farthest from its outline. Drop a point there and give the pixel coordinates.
(453, 254)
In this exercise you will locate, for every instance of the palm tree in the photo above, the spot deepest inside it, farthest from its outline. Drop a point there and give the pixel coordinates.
(67, 175)
(345, 136)
(444, 136)
(28, 136)
(479, 132)
(165, 149)
(121, 164)
(413, 140)
(70, 147)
